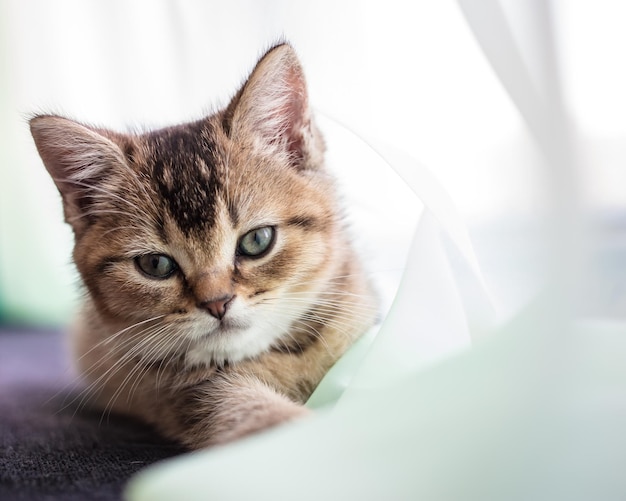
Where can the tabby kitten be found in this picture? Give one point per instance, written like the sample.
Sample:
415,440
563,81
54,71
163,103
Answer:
221,285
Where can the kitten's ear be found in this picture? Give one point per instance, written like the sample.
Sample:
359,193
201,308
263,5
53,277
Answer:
272,107
77,158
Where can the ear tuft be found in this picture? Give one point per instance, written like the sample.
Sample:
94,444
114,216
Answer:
272,107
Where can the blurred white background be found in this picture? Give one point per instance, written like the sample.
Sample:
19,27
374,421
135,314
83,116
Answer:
410,74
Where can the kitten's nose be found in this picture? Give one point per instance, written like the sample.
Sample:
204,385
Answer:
217,307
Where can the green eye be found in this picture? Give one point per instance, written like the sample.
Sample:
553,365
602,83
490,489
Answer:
156,265
256,242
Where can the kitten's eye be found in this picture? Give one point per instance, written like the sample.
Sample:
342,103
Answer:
156,265
256,242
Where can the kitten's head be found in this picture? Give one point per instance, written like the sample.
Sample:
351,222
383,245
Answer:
221,231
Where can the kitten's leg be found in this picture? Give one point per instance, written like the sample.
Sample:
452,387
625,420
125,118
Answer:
224,409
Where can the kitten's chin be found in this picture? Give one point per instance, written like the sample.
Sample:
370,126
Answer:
230,342
229,326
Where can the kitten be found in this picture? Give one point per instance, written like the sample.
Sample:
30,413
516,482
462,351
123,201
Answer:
221,285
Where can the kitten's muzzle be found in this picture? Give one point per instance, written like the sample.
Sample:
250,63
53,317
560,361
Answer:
217,307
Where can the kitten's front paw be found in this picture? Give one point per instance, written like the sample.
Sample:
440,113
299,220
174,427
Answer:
257,417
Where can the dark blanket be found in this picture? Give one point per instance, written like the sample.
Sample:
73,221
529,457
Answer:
50,447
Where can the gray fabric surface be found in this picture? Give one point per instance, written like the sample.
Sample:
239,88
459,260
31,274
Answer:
50,449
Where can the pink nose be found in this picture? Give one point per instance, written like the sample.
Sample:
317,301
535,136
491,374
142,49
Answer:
217,307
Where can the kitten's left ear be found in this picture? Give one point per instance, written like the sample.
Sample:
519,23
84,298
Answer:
272,108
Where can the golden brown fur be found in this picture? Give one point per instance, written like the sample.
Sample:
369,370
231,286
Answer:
217,343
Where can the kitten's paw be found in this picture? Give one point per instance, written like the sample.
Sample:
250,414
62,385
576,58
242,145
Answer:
254,417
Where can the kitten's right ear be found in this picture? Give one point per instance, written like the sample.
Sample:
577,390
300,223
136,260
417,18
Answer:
76,157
